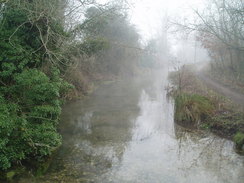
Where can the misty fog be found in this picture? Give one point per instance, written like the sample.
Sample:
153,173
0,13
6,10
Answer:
122,91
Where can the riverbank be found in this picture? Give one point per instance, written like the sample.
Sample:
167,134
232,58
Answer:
199,106
36,169
125,132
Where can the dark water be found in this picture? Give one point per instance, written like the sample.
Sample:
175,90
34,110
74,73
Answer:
125,133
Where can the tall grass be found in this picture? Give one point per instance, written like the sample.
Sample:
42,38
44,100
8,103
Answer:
192,108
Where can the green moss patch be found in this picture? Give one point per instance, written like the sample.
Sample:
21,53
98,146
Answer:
239,141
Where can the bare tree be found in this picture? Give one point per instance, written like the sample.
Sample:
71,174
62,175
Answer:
220,28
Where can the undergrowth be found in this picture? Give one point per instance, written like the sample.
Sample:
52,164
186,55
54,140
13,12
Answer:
196,106
192,108
239,140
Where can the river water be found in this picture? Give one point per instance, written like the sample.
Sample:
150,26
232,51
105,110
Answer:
125,133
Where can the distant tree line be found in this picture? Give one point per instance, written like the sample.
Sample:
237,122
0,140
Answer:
220,29
222,34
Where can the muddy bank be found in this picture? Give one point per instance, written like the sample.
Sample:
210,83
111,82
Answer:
200,104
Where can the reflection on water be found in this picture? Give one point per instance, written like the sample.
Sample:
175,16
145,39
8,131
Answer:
125,132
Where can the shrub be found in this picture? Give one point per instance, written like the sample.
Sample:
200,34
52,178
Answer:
30,103
192,108
239,140
28,119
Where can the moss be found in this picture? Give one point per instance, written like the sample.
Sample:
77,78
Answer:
42,168
205,126
10,175
239,141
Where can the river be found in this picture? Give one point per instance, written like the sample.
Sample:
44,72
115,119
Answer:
125,133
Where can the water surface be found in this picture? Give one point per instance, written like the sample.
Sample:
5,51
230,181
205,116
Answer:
125,133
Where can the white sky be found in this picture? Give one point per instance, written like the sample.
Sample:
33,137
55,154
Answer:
148,15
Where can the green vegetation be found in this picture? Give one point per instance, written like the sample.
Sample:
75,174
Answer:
239,141
45,59
196,106
10,175
30,103
197,111
192,108
29,117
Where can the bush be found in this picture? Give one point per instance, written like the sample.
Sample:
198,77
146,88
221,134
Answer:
192,108
30,103
29,117
239,140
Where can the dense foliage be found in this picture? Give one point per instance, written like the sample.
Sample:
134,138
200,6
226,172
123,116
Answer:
40,49
29,98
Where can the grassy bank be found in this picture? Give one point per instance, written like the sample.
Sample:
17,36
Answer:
198,107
